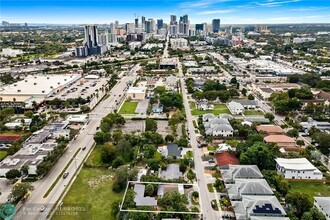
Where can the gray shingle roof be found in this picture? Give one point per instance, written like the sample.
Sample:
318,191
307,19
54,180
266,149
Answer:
245,102
248,187
172,172
324,203
140,199
173,150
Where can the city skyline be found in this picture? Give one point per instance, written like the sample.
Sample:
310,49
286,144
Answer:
104,11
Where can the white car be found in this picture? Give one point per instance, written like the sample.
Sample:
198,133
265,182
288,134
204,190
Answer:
43,208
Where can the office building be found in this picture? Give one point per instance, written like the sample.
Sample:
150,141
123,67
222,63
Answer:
148,26
184,19
143,21
173,20
5,23
199,27
173,30
91,43
229,30
136,22
160,24
116,24
216,25
103,38
130,28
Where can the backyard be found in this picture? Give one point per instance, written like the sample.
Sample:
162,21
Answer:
218,109
253,112
311,188
92,194
128,108
3,154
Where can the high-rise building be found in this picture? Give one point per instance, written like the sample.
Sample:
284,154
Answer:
149,26
116,24
160,24
199,27
112,28
184,19
216,25
103,38
130,28
173,20
143,21
136,22
5,23
91,44
229,30
173,30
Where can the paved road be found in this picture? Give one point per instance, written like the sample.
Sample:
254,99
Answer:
31,209
208,212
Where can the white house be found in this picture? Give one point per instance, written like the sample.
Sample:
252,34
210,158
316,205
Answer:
136,93
235,108
218,127
323,205
297,168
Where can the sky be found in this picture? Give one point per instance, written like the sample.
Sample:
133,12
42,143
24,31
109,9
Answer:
106,11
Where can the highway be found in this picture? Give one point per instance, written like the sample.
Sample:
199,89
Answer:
31,209
208,212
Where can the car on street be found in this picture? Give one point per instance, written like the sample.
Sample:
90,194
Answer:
43,208
213,204
84,148
65,175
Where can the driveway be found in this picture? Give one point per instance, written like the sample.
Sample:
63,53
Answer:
142,106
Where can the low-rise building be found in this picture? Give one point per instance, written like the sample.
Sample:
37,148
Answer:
297,168
168,63
323,205
282,141
218,127
136,93
231,173
270,129
78,119
247,104
310,123
235,108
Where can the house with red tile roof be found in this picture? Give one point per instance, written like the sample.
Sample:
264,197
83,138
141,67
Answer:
270,129
226,158
9,138
282,141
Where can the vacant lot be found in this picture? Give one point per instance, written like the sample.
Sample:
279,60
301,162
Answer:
218,109
91,193
128,108
312,189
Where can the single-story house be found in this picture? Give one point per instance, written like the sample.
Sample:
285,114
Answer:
9,138
172,172
136,93
140,199
247,104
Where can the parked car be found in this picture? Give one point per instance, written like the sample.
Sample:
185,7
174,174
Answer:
84,148
213,204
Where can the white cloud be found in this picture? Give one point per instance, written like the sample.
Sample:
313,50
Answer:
310,9
200,3
211,12
275,3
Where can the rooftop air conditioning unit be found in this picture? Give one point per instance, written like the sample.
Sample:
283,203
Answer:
43,91
35,83
18,90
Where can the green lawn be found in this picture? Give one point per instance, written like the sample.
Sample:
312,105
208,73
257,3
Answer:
92,194
218,109
253,112
312,189
210,187
95,158
192,105
3,154
128,108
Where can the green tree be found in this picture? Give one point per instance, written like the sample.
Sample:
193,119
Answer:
191,175
299,202
150,189
313,214
151,125
270,116
122,175
108,152
28,114
20,190
13,174
293,133
160,90
173,201
244,91
258,154
250,97
169,138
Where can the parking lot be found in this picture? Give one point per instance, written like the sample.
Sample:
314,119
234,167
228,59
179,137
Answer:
81,88
142,107
163,128
136,126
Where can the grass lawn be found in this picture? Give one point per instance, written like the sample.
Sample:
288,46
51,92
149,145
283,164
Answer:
92,191
95,158
192,105
253,112
210,187
218,109
312,189
157,155
212,148
3,154
128,108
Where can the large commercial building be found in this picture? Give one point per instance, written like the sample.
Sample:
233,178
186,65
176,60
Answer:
91,45
216,25
35,88
160,24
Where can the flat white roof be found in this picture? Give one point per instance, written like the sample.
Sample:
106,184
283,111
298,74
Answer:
136,90
38,84
295,164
